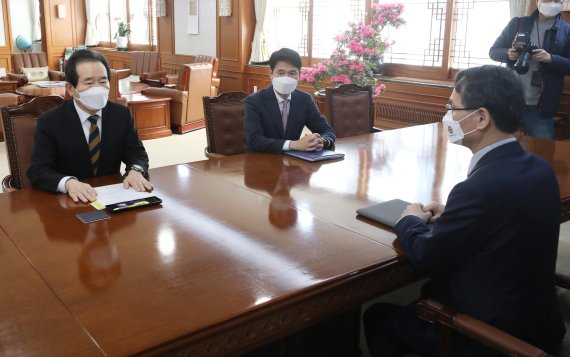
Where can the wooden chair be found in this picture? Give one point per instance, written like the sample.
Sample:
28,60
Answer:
19,132
351,110
224,124
450,320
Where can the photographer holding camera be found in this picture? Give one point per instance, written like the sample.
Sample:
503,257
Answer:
537,47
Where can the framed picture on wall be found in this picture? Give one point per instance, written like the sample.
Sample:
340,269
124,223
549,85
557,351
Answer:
225,7
192,26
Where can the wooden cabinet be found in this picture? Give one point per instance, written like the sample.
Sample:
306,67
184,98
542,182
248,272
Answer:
151,115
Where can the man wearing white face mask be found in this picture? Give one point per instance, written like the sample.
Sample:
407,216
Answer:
275,116
549,64
87,136
477,249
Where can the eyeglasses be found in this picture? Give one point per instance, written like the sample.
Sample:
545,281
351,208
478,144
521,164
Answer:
448,107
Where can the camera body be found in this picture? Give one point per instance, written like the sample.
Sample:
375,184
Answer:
522,44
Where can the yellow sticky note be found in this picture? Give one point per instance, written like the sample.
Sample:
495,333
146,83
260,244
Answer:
97,205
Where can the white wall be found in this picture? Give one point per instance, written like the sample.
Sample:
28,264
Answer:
21,20
205,42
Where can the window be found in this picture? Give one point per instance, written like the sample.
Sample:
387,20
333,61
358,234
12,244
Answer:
440,36
310,26
423,41
139,14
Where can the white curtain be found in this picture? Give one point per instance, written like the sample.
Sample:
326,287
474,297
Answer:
519,8
36,27
91,35
260,44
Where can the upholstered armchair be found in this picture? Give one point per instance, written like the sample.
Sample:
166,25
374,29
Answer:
186,109
146,65
31,60
114,93
172,79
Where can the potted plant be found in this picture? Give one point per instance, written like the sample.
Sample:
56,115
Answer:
122,36
359,52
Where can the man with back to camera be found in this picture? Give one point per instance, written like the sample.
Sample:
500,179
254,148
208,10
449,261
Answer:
491,251
87,136
275,116
544,81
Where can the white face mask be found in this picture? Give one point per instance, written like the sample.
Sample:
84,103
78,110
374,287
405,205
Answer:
94,98
455,133
550,9
284,84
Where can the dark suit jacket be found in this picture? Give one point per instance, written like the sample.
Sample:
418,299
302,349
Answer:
61,150
492,253
264,127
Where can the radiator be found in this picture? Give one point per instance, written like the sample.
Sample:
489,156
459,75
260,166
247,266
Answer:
394,115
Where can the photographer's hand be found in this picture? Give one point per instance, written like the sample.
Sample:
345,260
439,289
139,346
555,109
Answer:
542,56
512,54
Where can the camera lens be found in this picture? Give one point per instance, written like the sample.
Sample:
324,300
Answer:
522,64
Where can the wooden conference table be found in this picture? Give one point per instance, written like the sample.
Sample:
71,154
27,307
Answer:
243,251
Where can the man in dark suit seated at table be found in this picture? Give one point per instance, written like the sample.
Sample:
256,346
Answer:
87,136
275,116
491,251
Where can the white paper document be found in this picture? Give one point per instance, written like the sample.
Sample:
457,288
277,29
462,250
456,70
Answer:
110,194
50,84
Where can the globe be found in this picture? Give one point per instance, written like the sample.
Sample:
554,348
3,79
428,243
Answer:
23,43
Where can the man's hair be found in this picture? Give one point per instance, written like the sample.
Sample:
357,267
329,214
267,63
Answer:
285,55
83,56
496,89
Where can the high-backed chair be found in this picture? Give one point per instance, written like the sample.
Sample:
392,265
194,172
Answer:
145,63
351,109
186,108
171,79
31,60
19,132
224,124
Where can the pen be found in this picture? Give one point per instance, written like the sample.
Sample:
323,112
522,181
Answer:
140,203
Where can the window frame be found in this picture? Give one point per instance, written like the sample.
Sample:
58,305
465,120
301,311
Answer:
132,47
443,72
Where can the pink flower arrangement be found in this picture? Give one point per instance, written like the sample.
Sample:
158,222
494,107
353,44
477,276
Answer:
359,50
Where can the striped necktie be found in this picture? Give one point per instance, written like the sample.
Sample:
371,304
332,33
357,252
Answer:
285,113
94,142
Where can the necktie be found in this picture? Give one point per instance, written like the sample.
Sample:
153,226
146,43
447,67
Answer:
94,142
285,113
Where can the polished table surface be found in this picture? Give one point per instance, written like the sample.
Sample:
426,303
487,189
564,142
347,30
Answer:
200,271
243,250
33,90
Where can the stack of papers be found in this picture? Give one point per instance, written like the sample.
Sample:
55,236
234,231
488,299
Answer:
110,194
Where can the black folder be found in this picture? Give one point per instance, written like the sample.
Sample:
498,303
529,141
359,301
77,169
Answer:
315,155
387,212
